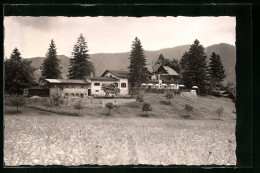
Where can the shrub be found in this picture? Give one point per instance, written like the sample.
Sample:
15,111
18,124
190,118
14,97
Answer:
146,107
79,105
17,100
140,98
188,108
169,96
109,106
219,111
56,100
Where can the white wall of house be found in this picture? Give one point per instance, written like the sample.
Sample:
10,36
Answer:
122,84
97,85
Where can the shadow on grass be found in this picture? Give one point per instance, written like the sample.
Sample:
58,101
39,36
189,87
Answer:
12,112
163,102
66,113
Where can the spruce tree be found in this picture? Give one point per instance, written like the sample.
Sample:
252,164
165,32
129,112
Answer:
80,66
160,60
51,66
19,74
137,68
194,67
216,71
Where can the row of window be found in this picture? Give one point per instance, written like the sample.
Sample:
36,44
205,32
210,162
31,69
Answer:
123,85
74,94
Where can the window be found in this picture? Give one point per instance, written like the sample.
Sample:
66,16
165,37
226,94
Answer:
111,76
96,84
116,84
72,94
81,95
97,91
77,94
123,85
66,94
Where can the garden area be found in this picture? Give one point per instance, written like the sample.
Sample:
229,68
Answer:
155,129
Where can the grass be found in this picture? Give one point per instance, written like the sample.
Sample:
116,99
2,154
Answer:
125,137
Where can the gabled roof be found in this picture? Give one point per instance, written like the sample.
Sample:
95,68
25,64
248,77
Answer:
152,68
170,71
67,81
104,79
118,73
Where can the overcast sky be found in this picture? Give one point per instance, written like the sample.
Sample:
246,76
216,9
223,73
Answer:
32,35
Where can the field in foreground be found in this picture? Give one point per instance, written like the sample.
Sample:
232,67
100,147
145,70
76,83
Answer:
38,138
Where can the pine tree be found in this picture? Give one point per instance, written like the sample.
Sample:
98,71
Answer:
160,60
19,74
194,67
51,66
137,68
80,66
216,71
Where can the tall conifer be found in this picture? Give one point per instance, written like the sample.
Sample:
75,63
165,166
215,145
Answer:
80,66
194,67
137,68
51,66
216,71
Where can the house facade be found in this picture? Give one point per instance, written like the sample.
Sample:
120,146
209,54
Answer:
122,77
68,88
162,77
97,82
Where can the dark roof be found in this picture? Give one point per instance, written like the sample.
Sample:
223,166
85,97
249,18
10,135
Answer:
37,87
67,81
170,71
153,68
118,73
104,79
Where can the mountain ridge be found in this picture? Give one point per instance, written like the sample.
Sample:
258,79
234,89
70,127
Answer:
118,61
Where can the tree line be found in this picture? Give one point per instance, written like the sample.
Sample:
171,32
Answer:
192,67
19,74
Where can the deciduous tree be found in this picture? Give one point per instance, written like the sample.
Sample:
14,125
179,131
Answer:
19,74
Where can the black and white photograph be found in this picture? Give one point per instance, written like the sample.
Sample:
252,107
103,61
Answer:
119,90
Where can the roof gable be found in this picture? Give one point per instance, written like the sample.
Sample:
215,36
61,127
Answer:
118,73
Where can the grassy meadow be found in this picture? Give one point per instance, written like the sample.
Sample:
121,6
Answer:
34,136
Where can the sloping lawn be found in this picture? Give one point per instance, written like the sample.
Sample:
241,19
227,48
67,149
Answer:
35,137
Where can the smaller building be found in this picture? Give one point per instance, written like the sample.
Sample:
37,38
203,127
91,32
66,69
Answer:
162,77
68,88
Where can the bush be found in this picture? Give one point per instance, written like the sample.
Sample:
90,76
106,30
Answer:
79,105
140,98
188,108
169,96
56,100
219,111
146,107
109,106
17,100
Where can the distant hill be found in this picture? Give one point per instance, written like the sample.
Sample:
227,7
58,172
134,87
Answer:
118,61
